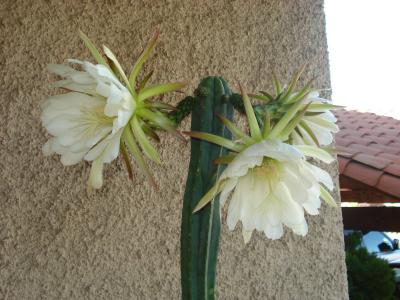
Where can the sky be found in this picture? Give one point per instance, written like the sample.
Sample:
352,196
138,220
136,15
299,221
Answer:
364,53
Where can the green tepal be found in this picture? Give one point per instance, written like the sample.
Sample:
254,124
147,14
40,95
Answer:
200,231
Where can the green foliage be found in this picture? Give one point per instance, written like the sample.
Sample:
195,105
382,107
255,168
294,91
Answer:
369,277
200,231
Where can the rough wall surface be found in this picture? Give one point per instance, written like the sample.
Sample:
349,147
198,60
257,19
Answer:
122,242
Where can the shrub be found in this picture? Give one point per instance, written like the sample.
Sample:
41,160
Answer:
369,277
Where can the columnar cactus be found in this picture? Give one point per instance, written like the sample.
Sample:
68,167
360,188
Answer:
200,231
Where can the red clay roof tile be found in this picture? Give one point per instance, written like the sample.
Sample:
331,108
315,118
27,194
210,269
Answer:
389,184
392,157
393,169
369,149
363,173
395,144
343,141
392,132
346,151
373,161
358,140
386,149
383,140
343,163
365,149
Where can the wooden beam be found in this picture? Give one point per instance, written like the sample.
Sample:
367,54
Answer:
350,183
352,190
366,196
371,218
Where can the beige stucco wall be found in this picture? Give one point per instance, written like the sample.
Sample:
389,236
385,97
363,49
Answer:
123,241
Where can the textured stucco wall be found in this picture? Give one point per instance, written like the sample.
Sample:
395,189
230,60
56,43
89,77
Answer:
123,241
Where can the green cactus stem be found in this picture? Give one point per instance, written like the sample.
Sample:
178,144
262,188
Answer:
200,231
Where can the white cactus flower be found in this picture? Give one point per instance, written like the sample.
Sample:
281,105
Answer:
271,182
87,123
272,185
100,116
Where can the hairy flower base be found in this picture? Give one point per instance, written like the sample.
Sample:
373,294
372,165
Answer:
272,185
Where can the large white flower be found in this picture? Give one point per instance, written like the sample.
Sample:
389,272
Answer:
272,186
88,122
100,115
271,182
318,124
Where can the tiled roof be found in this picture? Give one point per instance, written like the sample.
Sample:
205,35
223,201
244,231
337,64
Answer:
369,149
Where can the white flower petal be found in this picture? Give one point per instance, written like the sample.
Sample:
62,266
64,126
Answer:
114,101
79,146
273,149
97,135
244,188
323,135
73,86
82,78
230,184
75,61
297,185
72,137
48,147
240,165
108,148
58,148
71,158
313,204
291,211
97,150
101,73
269,218
58,126
103,89
234,209
61,70
112,149
321,176
329,116
273,232
301,228
247,236
96,173
323,124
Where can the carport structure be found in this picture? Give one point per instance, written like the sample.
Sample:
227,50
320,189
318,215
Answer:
369,164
